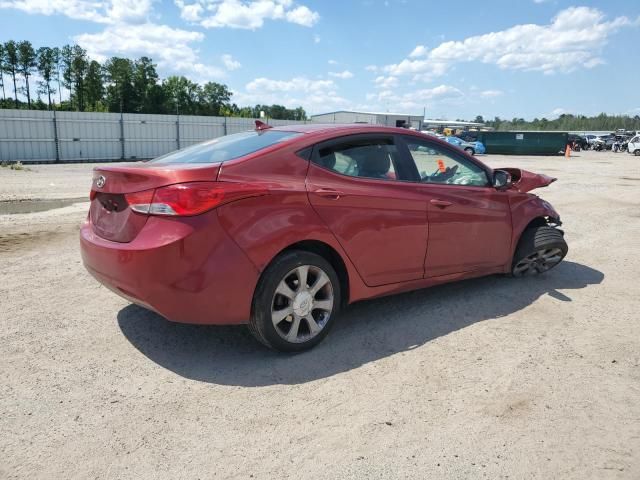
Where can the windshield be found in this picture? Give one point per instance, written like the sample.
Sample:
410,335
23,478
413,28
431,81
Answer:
226,148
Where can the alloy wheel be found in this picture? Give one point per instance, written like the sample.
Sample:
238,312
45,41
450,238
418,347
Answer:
538,262
302,304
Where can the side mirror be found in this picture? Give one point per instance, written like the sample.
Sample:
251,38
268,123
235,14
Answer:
501,179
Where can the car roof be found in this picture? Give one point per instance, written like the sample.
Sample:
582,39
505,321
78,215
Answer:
338,128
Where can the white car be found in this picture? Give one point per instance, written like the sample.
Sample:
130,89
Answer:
634,146
434,134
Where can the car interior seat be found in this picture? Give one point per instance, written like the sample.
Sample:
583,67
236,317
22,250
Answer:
374,162
328,159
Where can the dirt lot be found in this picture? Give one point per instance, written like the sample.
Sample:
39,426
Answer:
489,378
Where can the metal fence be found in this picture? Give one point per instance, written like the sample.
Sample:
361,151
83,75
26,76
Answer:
48,136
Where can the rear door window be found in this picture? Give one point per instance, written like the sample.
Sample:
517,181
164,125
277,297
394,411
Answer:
364,157
227,148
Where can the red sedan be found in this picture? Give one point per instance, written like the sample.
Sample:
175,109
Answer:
280,228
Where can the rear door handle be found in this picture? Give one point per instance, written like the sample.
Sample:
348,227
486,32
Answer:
440,203
328,193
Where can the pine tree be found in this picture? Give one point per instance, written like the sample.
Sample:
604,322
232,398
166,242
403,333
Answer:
11,61
46,68
2,62
26,65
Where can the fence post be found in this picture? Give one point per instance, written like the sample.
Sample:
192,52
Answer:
121,136
178,131
225,125
55,137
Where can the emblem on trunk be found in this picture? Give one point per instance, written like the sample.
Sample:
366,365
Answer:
100,181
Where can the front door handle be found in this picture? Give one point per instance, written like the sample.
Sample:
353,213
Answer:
440,203
328,193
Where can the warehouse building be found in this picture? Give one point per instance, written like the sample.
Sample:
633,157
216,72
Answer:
373,118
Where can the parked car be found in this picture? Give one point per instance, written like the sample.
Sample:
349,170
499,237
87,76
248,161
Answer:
469,147
283,227
634,146
590,139
603,142
468,135
577,142
432,133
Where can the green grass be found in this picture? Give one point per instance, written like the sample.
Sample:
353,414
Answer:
14,166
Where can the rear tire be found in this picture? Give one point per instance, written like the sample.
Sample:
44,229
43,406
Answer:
470,151
296,302
539,250
637,153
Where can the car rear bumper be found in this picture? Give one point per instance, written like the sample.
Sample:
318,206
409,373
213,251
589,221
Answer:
186,269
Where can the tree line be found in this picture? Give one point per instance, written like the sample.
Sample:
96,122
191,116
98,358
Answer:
118,85
566,122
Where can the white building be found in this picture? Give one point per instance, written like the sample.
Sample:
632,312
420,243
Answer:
373,118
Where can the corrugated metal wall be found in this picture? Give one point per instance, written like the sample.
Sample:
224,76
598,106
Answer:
30,135
346,117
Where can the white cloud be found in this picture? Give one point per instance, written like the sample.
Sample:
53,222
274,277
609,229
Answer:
371,68
129,11
491,93
344,75
416,99
230,63
244,14
332,62
316,38
386,82
190,12
303,16
419,51
300,84
129,32
572,40
170,47
313,95
99,11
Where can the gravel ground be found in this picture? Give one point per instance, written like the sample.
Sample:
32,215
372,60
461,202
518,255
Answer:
46,181
488,378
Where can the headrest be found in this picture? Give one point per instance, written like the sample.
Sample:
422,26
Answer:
328,160
375,161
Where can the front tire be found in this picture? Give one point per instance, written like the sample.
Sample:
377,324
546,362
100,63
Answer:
470,151
539,250
296,302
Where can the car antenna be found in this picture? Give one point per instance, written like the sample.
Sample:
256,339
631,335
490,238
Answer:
262,126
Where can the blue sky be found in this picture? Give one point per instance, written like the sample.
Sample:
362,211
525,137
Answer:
524,58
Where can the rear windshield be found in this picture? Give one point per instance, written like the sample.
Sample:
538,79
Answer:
226,148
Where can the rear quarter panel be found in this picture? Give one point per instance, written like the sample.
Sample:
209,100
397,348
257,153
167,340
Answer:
264,226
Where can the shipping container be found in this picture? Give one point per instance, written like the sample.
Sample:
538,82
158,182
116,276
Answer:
524,143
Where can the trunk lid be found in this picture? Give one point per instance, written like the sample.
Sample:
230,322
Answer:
110,214
524,181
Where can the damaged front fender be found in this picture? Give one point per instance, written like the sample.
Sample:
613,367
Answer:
524,181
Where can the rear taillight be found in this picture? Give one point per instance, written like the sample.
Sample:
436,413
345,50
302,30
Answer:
140,201
187,199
